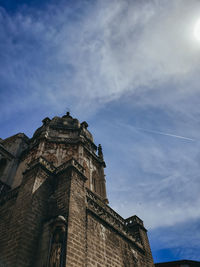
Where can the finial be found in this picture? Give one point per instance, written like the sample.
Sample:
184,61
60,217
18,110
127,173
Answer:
84,124
100,153
46,121
67,115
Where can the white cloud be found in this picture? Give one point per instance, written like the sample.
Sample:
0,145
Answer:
91,56
109,49
158,177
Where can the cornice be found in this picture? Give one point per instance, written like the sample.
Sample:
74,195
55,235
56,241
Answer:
74,164
72,141
43,163
110,217
5,151
52,170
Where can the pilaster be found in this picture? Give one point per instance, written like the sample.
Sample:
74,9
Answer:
136,227
29,213
70,195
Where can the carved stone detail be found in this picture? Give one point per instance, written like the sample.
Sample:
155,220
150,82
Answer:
43,162
71,162
99,208
58,242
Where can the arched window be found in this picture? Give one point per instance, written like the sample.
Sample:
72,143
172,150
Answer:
94,184
3,162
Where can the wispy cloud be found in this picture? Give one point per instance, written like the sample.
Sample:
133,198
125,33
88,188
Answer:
102,59
180,241
159,177
87,56
96,53
166,134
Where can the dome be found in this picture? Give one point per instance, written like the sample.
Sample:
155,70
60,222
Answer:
66,124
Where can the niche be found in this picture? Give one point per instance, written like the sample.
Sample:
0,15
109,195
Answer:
58,243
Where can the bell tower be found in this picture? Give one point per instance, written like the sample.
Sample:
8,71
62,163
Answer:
54,210
64,138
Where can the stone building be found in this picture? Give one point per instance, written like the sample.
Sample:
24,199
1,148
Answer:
53,204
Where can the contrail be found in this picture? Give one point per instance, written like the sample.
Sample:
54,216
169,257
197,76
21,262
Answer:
167,134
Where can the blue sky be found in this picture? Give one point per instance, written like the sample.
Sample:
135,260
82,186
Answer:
131,69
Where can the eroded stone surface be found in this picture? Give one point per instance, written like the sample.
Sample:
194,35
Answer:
53,205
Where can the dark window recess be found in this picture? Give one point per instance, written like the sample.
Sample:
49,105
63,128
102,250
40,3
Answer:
3,188
3,163
94,184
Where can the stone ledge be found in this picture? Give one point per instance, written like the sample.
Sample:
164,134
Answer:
72,163
108,215
134,221
44,162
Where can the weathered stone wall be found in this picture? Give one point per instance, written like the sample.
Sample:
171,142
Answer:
58,153
98,238
27,217
76,234
16,143
41,257
105,247
115,241
6,213
11,149
94,171
6,167
58,212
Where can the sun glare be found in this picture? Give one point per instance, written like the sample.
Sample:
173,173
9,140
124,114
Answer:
197,30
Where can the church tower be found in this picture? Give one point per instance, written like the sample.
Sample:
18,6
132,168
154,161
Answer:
62,139
53,204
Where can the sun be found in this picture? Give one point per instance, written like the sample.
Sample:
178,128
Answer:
197,30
